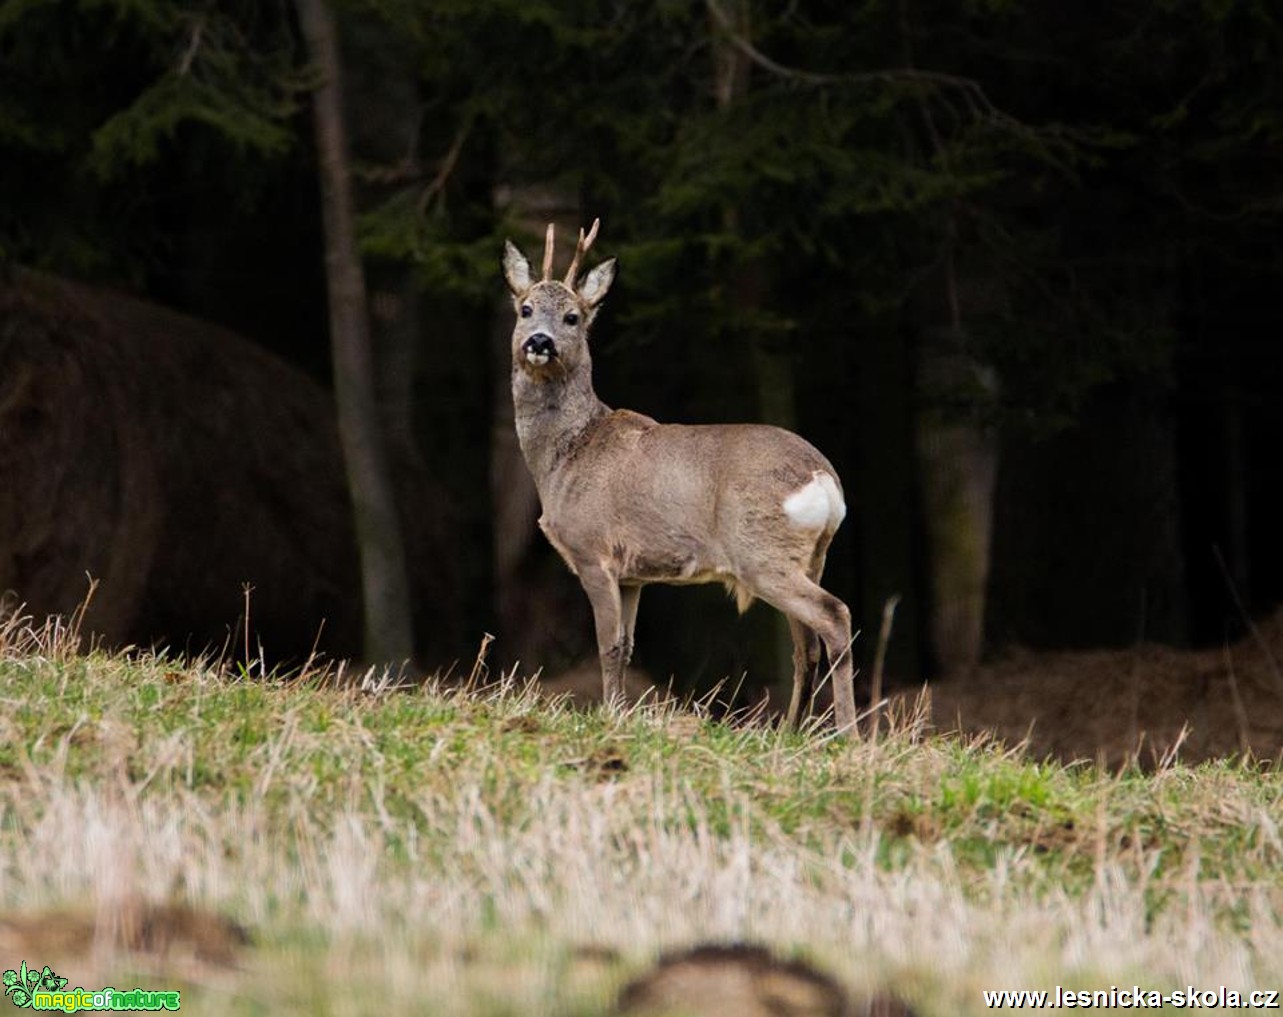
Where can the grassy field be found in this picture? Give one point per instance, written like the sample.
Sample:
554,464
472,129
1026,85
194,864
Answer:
495,853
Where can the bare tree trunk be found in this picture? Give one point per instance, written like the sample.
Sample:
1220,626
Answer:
381,102
957,459
384,582
1234,490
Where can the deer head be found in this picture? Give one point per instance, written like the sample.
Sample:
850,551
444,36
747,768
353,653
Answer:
553,316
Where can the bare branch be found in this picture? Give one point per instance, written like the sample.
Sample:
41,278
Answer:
448,164
974,95
193,47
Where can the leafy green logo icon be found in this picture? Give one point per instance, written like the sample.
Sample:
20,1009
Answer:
20,986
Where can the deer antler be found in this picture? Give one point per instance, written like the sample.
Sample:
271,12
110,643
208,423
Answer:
548,245
581,249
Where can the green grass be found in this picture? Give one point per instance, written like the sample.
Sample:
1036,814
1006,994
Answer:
493,853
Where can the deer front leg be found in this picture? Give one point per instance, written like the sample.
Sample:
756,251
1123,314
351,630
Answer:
604,594
629,598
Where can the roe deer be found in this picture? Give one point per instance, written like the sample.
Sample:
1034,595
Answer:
629,501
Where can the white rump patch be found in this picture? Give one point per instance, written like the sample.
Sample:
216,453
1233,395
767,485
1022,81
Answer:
818,505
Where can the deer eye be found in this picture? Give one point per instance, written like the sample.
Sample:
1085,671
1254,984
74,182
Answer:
571,318
527,310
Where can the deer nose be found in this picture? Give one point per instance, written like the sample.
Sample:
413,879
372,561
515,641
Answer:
539,347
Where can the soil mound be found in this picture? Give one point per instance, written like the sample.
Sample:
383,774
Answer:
1140,704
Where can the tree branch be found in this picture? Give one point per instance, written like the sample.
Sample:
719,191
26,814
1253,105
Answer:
448,164
978,102
193,47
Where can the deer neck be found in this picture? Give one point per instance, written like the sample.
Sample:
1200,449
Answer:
553,415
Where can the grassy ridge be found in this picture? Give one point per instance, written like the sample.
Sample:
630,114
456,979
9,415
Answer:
495,853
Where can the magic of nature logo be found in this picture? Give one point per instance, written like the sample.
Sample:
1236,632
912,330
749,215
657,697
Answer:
45,989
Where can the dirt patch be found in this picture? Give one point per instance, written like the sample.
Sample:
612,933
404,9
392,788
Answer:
742,981
170,934
1141,703
581,684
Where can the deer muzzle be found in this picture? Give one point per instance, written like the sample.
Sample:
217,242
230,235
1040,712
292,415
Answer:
539,349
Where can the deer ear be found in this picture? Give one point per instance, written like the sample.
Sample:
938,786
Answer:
516,269
597,283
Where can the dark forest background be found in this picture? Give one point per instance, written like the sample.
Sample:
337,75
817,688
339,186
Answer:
1013,265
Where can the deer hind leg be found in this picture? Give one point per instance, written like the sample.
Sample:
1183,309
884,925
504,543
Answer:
808,604
806,645
605,596
806,662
